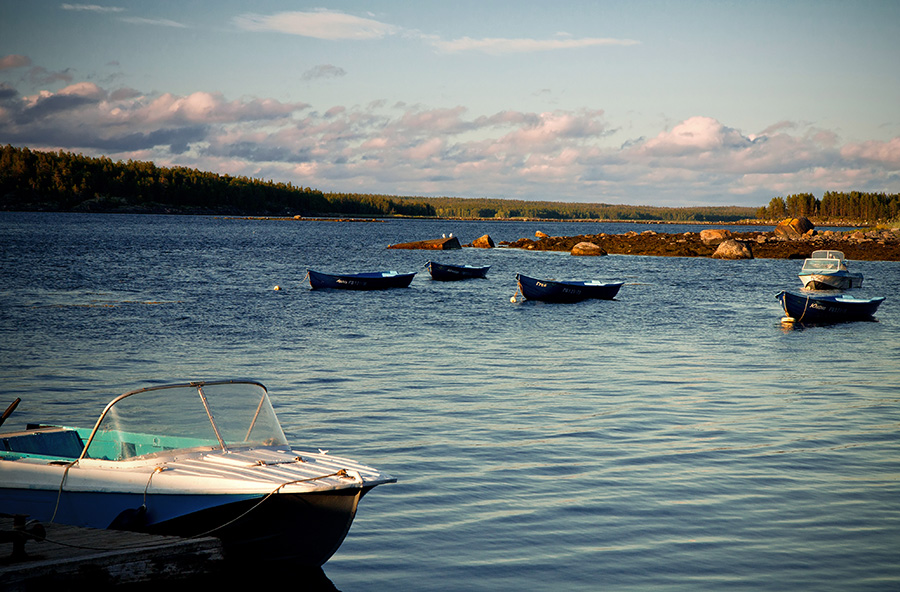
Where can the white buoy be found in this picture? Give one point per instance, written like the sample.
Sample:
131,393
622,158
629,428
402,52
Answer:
276,288
513,299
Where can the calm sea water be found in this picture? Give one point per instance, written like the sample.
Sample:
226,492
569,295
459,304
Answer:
676,438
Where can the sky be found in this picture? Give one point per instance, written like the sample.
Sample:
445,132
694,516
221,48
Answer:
656,102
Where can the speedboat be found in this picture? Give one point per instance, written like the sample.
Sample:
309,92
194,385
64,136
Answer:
372,280
565,290
445,272
827,270
192,459
821,308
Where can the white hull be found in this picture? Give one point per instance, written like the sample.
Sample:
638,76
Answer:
831,282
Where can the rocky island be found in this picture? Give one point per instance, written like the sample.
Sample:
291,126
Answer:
795,238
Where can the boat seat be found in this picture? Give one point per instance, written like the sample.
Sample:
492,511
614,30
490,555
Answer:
46,441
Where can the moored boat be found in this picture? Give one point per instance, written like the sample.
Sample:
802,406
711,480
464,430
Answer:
565,290
827,270
376,280
448,273
200,458
821,308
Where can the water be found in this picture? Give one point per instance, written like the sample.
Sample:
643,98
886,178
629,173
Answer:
676,438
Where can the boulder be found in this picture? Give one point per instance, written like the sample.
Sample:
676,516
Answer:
438,244
711,235
732,249
588,249
540,234
793,227
483,242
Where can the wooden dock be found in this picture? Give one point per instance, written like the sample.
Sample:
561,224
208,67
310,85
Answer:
79,557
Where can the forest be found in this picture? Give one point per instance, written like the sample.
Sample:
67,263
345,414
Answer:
854,206
32,180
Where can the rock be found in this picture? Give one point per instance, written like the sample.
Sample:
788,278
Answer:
483,242
793,227
540,234
589,249
732,249
440,244
711,235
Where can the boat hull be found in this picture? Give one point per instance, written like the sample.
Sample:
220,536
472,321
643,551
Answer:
360,281
820,281
302,528
565,291
451,273
809,308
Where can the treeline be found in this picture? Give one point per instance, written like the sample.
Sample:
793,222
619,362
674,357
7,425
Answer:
33,180
456,207
834,205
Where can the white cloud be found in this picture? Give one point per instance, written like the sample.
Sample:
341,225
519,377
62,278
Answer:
319,25
134,20
91,8
416,150
14,61
323,71
497,46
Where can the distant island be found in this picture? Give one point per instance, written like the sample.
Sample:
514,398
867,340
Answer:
31,180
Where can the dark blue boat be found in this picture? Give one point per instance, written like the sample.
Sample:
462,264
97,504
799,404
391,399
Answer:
377,280
565,290
815,308
451,273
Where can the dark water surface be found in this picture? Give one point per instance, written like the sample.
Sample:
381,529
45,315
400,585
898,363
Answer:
676,438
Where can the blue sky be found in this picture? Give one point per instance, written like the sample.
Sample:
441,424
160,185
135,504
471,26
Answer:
645,102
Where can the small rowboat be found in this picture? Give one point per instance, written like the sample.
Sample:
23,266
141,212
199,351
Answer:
449,273
811,308
377,280
565,290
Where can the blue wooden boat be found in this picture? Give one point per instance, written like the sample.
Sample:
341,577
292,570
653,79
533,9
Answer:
376,280
814,308
449,273
565,290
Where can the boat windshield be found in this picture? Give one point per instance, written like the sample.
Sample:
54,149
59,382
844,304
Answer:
821,265
215,415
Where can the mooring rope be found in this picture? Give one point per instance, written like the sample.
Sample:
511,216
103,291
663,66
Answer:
338,473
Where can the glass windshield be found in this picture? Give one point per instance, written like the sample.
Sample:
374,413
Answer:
821,265
215,415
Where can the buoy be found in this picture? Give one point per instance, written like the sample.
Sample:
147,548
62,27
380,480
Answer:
276,288
513,299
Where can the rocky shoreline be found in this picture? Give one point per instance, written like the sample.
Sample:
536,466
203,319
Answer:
861,245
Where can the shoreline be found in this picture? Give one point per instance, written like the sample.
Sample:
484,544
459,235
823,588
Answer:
860,245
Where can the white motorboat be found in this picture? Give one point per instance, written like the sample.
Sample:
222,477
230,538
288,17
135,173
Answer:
193,459
827,270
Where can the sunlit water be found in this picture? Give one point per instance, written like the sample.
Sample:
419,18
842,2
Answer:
676,438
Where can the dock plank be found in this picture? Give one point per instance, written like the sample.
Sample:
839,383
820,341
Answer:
87,556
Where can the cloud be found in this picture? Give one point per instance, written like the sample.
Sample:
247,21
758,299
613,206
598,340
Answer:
323,71
134,20
886,154
40,76
90,8
498,46
14,61
319,25
399,148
